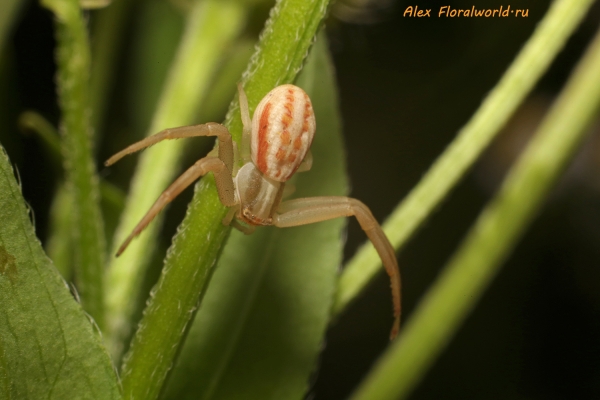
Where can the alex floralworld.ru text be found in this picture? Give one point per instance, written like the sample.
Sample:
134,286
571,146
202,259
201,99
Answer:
447,11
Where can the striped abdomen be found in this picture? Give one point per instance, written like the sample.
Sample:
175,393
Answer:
283,128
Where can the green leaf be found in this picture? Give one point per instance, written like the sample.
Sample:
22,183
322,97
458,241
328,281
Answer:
262,321
48,346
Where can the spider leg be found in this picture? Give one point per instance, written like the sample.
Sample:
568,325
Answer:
203,166
315,209
246,122
209,129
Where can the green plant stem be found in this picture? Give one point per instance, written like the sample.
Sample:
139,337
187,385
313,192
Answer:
59,245
561,20
73,57
211,26
492,238
284,45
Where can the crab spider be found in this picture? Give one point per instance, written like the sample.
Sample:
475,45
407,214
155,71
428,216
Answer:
275,145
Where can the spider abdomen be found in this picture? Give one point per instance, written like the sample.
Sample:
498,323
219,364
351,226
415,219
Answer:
283,128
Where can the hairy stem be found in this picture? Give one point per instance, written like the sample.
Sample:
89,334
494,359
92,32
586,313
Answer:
73,58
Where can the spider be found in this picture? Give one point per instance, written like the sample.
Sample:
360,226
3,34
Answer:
275,145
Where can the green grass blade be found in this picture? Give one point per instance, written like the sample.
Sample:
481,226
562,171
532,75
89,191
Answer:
73,59
275,287
211,26
48,347
561,20
280,54
493,236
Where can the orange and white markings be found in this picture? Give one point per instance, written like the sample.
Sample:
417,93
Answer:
283,128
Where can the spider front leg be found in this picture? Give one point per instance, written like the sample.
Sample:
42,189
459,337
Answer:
220,166
209,129
315,209
225,189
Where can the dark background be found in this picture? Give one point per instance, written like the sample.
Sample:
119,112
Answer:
407,85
